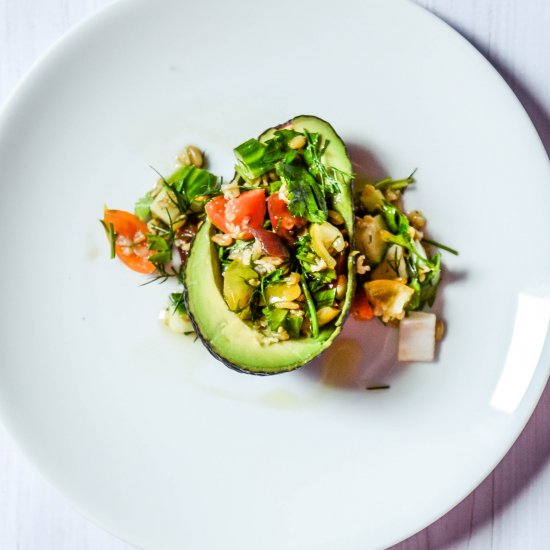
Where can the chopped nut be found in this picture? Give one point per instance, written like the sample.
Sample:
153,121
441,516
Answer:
139,237
297,142
282,334
319,265
392,194
179,224
273,260
297,312
192,155
417,220
335,217
231,189
286,305
153,224
158,188
293,278
222,239
360,267
439,330
341,286
283,193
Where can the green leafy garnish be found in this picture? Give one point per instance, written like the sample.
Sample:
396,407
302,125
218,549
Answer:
390,183
163,251
293,325
190,182
111,235
327,176
256,158
324,298
439,245
142,208
178,303
312,314
306,197
275,317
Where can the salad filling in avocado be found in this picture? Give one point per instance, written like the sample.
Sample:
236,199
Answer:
277,240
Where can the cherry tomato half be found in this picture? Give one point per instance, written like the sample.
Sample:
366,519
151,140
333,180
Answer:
235,215
282,220
131,240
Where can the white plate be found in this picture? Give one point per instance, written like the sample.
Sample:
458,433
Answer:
142,429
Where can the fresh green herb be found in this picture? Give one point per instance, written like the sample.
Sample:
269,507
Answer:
142,208
306,259
439,245
274,186
430,283
187,183
325,297
306,197
318,279
278,150
329,177
390,183
304,252
250,156
425,285
275,317
293,325
256,158
310,308
178,303
111,235
162,248
190,182
396,221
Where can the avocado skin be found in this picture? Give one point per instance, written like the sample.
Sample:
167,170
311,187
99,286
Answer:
229,349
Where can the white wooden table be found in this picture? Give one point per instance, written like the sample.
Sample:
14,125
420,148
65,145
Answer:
511,508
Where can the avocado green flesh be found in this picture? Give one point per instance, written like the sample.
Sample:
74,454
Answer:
225,335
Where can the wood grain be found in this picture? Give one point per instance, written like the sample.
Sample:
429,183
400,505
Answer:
510,509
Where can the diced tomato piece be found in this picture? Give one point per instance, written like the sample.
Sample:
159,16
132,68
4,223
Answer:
216,212
282,220
235,215
131,240
361,308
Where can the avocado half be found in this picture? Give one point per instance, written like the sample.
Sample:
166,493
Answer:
225,335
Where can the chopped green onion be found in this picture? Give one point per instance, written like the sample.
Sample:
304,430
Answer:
111,235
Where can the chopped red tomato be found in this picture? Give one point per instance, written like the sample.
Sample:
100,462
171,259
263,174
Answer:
131,240
216,212
361,308
235,215
282,220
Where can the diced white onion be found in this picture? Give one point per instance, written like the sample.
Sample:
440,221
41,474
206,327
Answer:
417,337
